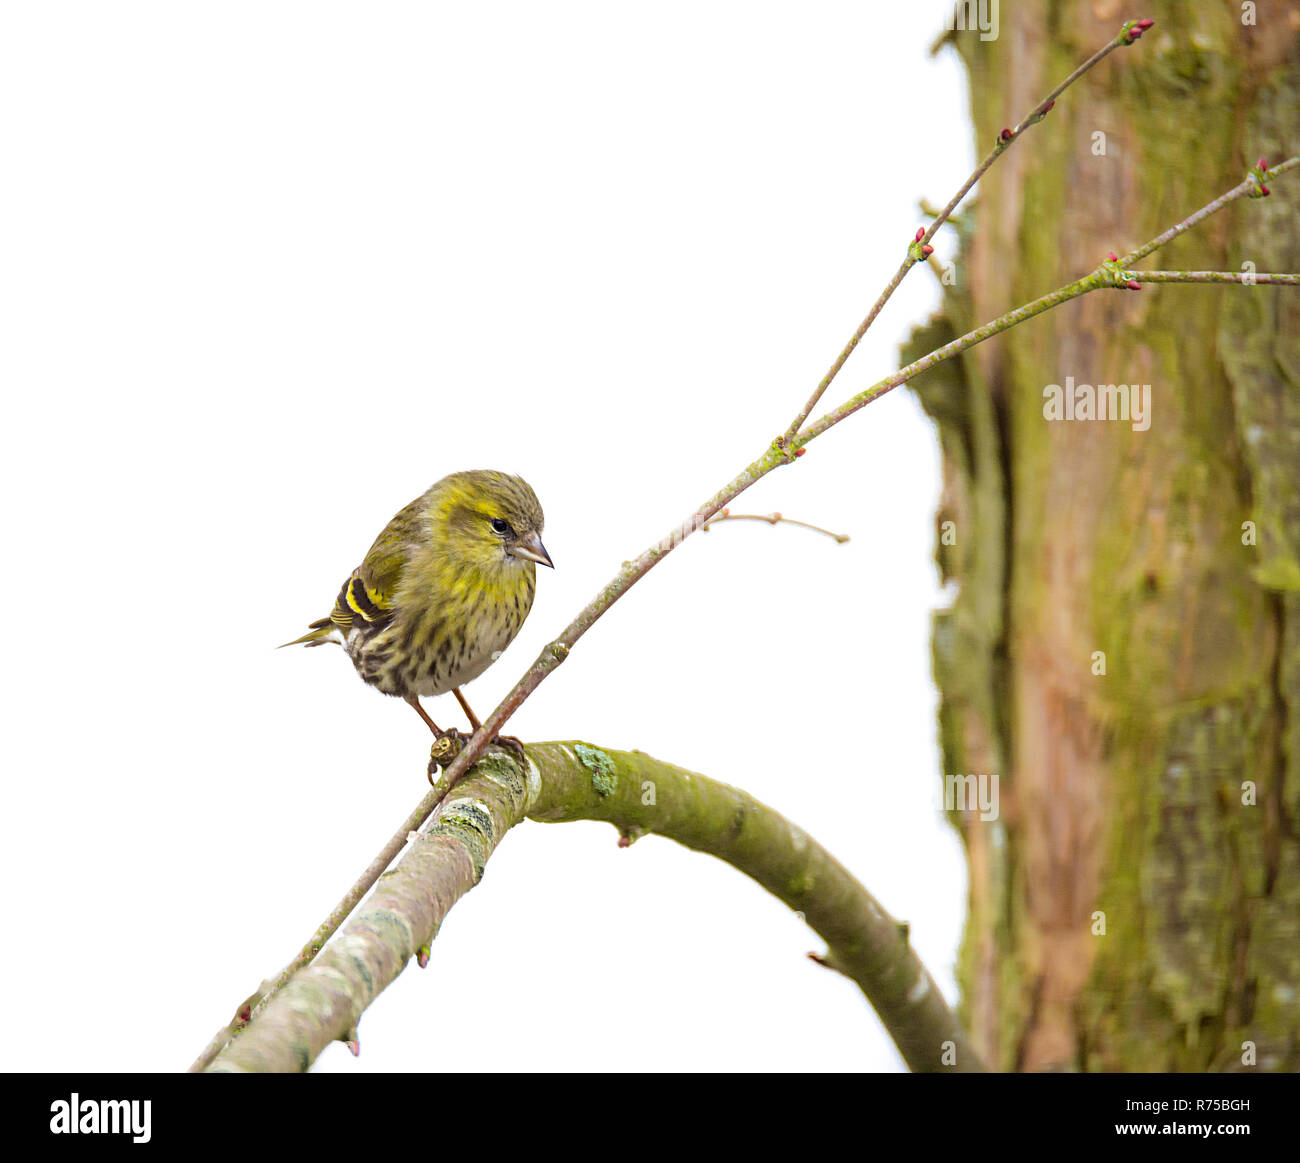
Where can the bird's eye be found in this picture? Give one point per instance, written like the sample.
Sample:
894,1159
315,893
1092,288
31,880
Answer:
500,526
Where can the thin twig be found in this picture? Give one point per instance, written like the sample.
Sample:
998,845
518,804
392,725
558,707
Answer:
1245,278
1253,185
920,248
771,519
1109,275
326,929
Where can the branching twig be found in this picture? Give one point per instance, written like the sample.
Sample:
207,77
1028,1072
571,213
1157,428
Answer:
572,781
771,519
1111,274
1253,185
920,247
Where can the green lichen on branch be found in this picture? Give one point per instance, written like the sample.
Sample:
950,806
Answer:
325,1001
604,774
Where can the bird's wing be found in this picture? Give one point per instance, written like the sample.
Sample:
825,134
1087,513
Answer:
367,596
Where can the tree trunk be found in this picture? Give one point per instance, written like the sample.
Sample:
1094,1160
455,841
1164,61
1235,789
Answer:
1124,649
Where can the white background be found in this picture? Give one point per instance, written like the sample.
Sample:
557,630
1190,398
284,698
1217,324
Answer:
269,270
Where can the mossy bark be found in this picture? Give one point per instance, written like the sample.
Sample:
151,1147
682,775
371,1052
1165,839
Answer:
1171,555
325,1000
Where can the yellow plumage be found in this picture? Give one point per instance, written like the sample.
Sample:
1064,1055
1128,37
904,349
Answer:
443,590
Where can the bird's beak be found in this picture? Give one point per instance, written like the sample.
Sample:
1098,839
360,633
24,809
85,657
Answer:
531,549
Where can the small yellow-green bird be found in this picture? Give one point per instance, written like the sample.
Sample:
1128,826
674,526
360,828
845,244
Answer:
443,590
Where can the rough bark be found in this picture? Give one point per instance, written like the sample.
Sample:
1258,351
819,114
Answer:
1122,793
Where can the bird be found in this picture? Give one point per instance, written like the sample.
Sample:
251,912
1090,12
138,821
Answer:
442,591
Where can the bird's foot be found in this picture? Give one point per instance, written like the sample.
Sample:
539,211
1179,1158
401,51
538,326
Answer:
450,743
446,746
514,746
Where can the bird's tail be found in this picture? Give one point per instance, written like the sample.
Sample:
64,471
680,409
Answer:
322,630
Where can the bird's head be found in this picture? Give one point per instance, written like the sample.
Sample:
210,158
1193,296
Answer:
491,521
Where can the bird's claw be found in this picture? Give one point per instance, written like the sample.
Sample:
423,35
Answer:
445,748
450,743
514,746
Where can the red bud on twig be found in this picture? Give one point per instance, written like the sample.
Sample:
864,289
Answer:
920,233
1133,31
1005,135
1134,285
800,451
1263,164
927,250
1112,257
1263,190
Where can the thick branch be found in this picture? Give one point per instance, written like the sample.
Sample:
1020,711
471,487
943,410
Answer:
639,795
863,941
